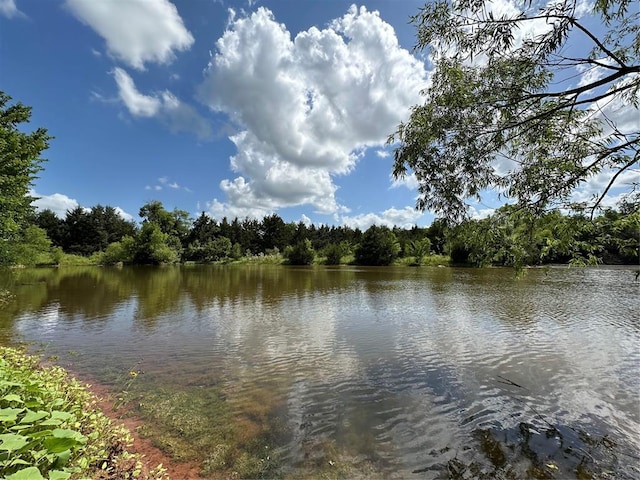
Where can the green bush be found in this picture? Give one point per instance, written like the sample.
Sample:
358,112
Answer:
301,253
50,427
379,246
32,248
119,252
419,249
334,253
154,247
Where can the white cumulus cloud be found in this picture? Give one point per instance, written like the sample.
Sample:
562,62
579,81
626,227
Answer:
409,181
136,31
139,105
178,116
307,107
58,203
401,217
9,9
127,216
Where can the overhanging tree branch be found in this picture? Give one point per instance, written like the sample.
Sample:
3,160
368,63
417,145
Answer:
504,104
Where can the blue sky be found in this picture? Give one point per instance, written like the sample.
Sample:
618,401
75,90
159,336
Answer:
232,108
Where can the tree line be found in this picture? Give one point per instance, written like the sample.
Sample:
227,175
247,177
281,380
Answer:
515,235
510,237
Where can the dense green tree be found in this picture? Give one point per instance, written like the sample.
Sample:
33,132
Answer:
419,249
123,251
111,225
225,227
213,250
175,224
236,251
437,233
204,228
153,246
495,96
54,226
619,235
379,246
301,253
321,237
85,231
335,251
301,232
515,237
249,238
275,233
33,247
82,235
20,161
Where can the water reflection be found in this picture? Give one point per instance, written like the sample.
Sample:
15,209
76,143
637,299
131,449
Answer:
390,370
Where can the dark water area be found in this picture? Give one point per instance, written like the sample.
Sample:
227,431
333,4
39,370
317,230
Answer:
363,372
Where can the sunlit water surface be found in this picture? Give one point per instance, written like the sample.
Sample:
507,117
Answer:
405,372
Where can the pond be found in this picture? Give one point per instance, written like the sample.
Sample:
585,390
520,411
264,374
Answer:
350,372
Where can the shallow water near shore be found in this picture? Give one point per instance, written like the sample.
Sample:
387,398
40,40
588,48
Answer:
392,372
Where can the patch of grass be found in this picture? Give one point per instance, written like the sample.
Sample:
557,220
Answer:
260,259
51,428
71,259
426,261
436,260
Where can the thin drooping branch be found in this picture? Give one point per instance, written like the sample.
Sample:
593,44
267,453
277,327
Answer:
621,72
597,42
572,20
612,181
564,105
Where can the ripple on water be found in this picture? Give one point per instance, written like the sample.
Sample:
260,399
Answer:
405,370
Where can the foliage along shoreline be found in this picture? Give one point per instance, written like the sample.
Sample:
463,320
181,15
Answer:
510,237
51,427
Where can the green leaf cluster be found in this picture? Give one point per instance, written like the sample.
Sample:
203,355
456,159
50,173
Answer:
379,246
515,237
302,253
50,427
501,111
19,163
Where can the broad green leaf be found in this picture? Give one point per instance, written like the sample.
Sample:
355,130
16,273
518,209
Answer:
32,416
12,441
51,422
58,475
66,433
59,445
31,473
41,433
12,397
61,415
63,458
10,415
6,383
17,428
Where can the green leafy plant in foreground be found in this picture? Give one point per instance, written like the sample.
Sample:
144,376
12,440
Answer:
50,427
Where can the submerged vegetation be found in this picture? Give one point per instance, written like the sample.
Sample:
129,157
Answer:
229,414
51,427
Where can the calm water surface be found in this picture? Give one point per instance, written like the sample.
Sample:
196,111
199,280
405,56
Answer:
395,372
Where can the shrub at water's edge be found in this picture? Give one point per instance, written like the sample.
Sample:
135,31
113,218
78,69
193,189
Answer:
50,427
